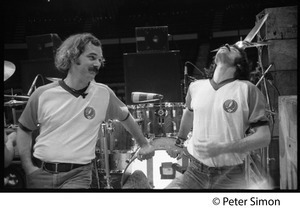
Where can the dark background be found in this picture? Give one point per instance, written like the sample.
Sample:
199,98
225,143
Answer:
115,20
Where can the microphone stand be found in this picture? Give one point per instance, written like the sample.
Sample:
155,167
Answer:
185,79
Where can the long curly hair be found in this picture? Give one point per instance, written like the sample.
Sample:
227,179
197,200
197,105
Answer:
72,48
242,65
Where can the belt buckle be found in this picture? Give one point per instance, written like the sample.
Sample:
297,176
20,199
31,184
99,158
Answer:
209,168
213,170
56,168
55,171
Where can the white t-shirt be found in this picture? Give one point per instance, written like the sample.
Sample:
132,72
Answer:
69,123
222,113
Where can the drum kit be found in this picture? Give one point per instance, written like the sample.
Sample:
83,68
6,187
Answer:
15,100
116,147
14,176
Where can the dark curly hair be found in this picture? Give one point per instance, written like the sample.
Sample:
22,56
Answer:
241,63
72,48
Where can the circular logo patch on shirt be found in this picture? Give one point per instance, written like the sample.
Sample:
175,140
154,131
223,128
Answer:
230,106
89,113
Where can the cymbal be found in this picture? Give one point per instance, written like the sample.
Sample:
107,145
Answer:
9,69
17,96
257,44
53,79
248,45
256,28
13,103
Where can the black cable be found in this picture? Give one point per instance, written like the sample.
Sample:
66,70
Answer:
188,62
271,83
129,163
42,79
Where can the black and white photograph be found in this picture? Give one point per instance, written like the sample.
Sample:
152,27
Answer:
148,96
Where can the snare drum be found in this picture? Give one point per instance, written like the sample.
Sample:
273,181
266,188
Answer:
139,114
120,145
117,137
117,161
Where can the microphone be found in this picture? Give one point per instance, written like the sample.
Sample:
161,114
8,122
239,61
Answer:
185,82
32,85
138,97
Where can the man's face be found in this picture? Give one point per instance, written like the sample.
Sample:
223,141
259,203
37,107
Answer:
89,62
227,55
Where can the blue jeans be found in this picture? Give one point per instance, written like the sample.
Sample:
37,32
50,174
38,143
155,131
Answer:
196,178
78,178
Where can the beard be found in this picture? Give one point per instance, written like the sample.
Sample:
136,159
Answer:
222,57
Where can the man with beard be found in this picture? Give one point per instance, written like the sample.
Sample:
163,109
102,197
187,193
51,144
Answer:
68,114
220,111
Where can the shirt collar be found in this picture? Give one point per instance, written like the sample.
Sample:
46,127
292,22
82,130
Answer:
72,91
217,86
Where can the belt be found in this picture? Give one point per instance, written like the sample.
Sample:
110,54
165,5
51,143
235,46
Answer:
55,167
220,170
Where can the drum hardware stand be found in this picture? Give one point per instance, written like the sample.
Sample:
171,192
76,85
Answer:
264,151
110,128
173,122
161,114
106,158
13,110
263,75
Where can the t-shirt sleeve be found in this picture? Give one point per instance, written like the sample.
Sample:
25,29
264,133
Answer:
116,108
28,119
257,107
188,99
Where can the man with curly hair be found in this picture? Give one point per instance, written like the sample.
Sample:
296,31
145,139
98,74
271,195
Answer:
69,114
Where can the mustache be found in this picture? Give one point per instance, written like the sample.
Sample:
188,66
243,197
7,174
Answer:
94,68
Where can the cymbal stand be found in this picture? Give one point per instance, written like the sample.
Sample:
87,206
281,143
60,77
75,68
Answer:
264,74
265,151
13,110
106,158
